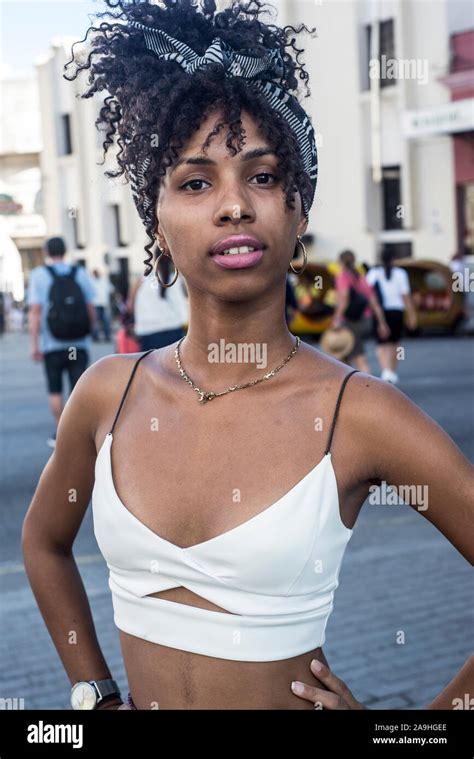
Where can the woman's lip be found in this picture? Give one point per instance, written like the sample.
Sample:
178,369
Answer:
237,241
238,260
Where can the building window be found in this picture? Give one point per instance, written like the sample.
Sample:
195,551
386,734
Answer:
118,242
75,240
391,198
385,54
400,249
72,229
367,41
387,49
65,136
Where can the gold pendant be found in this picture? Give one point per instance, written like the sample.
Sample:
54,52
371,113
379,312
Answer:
204,397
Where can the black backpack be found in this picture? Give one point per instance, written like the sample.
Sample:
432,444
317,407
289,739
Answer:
357,305
67,315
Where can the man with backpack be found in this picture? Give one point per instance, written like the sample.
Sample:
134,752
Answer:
60,297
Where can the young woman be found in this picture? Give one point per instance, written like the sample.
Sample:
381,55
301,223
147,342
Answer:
350,279
395,297
227,470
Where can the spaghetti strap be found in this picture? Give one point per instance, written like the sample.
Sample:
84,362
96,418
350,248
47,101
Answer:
128,385
337,409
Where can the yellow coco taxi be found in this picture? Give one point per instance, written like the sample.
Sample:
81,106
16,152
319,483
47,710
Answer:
438,304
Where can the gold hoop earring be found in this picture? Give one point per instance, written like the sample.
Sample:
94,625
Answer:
157,275
299,241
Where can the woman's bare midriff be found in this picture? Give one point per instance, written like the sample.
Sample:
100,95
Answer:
161,677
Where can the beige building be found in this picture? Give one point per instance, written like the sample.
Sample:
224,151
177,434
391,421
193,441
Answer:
94,214
375,65
22,225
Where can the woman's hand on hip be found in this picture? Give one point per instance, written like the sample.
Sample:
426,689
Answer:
338,695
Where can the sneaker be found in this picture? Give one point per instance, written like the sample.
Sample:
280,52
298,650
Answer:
51,441
389,376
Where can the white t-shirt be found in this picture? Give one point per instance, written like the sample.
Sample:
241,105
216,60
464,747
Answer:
103,289
392,289
152,313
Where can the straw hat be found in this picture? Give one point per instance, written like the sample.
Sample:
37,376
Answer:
337,342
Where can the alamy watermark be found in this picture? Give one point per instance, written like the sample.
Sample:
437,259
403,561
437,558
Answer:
237,353
42,732
399,68
11,703
463,281
392,495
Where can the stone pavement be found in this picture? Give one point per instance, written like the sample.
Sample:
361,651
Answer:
399,572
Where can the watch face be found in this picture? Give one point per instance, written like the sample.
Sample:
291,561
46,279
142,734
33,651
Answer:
83,696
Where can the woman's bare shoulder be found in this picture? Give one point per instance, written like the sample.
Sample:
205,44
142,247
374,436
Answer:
330,369
366,399
323,368
107,372
100,388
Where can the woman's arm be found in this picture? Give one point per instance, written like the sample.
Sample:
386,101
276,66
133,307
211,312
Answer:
459,693
382,326
34,321
335,695
403,446
411,311
342,301
51,525
341,285
407,449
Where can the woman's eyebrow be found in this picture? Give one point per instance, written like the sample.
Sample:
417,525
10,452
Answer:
203,161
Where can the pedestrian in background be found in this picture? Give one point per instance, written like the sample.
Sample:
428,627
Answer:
104,290
60,297
355,302
159,310
456,262
393,292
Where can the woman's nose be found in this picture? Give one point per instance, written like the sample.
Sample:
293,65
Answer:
233,205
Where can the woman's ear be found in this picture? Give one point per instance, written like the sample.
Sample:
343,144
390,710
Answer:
302,226
161,241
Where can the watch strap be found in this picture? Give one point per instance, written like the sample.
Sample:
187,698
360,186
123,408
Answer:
104,688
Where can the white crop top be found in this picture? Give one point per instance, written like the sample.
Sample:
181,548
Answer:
275,573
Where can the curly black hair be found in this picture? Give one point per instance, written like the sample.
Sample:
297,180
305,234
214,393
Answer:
153,106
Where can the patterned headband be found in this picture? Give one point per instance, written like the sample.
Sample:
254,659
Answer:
270,67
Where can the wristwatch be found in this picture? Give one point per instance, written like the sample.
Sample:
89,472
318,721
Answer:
87,694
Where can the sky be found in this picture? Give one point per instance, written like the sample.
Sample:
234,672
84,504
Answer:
28,26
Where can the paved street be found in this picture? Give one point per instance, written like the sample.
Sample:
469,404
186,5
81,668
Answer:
399,573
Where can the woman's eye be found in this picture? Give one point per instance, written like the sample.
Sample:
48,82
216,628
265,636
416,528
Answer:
197,181
266,174
193,181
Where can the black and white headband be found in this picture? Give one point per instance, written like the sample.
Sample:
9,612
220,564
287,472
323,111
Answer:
270,67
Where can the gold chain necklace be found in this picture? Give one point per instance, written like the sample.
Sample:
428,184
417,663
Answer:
208,396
